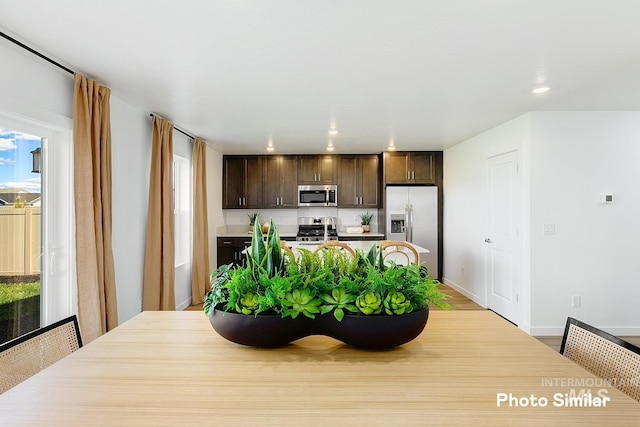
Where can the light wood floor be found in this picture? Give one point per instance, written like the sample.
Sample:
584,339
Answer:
460,302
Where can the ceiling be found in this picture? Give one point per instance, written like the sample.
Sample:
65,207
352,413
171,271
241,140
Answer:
426,74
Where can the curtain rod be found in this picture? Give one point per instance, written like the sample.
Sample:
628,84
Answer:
35,52
68,70
176,128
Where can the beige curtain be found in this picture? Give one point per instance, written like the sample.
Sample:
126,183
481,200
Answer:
200,264
159,267
97,304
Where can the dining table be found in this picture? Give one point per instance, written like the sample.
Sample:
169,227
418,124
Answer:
170,368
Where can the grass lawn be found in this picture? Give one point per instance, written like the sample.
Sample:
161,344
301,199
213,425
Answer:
16,291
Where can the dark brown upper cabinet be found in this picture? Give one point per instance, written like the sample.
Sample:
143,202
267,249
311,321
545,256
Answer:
404,167
359,181
280,182
242,182
318,169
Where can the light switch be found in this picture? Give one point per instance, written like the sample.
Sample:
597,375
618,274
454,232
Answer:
549,229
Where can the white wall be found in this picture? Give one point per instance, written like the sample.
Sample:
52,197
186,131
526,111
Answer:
131,159
575,157
33,88
567,160
464,200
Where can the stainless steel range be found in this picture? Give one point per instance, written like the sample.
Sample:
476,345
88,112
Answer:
316,229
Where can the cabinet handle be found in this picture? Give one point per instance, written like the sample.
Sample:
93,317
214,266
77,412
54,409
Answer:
408,175
360,199
413,174
226,243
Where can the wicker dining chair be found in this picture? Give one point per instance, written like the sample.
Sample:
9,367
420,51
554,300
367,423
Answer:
604,355
30,353
398,251
336,244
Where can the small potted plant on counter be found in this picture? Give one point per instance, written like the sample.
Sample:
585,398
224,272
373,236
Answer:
253,217
365,221
278,297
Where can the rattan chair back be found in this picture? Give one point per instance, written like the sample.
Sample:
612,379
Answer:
398,252
336,244
604,355
28,354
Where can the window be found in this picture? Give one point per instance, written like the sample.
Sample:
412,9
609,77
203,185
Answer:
182,209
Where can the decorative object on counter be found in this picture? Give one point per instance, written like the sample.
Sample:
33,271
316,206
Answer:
365,221
355,230
278,298
264,228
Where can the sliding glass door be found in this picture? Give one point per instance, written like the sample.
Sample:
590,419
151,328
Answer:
36,262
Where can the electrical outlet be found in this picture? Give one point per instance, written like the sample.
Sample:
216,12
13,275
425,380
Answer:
576,301
549,229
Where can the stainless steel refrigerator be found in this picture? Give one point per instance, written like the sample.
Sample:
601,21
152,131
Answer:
412,215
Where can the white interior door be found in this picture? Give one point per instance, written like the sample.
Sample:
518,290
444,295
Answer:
502,257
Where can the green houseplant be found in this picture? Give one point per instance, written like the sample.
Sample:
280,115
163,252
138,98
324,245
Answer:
365,221
253,217
318,293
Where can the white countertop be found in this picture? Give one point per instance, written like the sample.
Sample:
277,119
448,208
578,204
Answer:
288,232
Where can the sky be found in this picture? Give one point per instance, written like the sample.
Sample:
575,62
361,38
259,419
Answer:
16,161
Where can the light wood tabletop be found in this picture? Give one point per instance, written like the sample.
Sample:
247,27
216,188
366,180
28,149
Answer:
172,369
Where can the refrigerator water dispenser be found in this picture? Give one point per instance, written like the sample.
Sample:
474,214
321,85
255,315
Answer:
397,223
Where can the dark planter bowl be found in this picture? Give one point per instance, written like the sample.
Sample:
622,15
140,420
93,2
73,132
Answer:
372,332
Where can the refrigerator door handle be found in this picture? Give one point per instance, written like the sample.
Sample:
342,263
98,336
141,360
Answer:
409,214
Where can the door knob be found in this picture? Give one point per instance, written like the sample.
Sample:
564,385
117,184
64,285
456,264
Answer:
488,240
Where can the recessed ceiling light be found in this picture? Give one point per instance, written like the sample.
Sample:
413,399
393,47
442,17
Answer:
333,131
330,146
270,146
540,89
392,145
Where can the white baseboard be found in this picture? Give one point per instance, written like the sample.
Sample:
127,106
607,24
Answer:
458,288
183,305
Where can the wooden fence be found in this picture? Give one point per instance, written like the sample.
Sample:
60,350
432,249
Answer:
20,241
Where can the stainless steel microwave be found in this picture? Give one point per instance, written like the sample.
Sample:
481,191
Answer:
317,195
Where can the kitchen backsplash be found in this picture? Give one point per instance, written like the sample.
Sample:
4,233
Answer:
288,218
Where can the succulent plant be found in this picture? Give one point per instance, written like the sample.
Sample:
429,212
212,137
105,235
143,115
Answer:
396,303
369,303
301,301
338,301
248,304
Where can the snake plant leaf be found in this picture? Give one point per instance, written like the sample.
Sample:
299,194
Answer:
274,257
371,255
258,249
